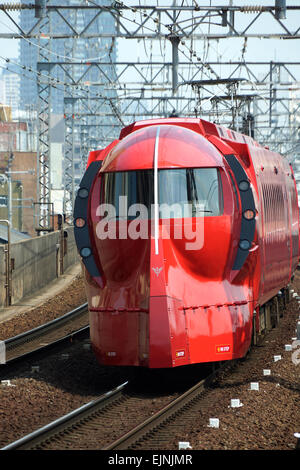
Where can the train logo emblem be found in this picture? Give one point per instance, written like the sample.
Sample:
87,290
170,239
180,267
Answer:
157,271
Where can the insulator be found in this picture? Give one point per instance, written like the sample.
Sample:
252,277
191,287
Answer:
14,6
252,8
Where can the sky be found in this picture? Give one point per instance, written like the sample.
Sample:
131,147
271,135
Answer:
8,47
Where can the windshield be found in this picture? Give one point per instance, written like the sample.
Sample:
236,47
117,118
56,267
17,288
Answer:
184,192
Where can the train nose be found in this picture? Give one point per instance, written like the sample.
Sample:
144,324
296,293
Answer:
167,333
136,321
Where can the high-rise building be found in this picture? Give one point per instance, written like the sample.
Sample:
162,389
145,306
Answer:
10,90
94,80
66,50
294,119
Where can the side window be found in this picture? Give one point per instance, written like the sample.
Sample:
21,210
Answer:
208,190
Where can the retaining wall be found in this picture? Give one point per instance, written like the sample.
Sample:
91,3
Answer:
36,263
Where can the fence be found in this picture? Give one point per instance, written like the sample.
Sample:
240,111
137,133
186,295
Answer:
34,263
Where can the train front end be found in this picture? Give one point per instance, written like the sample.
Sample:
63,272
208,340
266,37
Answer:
157,227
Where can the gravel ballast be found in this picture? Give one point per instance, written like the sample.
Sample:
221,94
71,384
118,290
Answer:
65,301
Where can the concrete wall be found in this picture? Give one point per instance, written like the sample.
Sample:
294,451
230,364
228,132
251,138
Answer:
36,263
2,276
71,257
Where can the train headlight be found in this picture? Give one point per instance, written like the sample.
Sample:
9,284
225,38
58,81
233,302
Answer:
244,185
85,252
83,193
249,214
244,244
79,222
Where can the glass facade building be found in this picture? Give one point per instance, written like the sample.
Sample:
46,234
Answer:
81,67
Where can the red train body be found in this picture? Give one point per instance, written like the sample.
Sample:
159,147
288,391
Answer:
185,283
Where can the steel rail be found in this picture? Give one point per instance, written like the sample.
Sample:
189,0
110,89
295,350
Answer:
82,332
66,421
164,415
45,327
31,335
82,414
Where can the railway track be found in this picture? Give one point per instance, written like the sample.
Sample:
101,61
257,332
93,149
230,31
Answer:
155,432
71,426
101,424
48,335
110,422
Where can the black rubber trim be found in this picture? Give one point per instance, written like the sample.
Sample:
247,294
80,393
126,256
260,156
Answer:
82,236
247,200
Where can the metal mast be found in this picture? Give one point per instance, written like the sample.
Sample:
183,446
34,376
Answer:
44,222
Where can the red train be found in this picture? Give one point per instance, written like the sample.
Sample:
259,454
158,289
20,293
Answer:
186,230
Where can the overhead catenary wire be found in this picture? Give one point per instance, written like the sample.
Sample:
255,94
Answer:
74,59
134,10
200,64
55,82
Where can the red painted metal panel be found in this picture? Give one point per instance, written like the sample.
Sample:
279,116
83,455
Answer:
100,154
178,147
120,337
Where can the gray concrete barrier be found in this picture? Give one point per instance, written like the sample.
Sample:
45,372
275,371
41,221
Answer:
3,292
35,263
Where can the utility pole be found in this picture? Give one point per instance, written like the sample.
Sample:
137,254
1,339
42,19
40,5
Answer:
9,189
44,109
8,264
